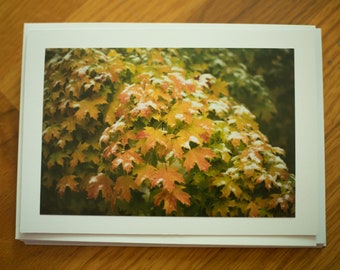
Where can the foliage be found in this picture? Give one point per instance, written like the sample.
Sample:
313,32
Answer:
151,132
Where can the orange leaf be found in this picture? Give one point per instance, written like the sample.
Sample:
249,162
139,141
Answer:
98,183
127,159
236,138
170,199
129,91
143,173
198,156
204,127
67,181
167,176
176,146
151,136
144,108
254,209
123,186
111,149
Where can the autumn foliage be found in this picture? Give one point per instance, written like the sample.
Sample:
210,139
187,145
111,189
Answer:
143,132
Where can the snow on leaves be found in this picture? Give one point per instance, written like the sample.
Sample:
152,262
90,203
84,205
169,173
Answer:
100,184
154,128
88,107
127,159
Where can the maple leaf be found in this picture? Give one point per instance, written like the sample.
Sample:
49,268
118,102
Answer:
123,186
268,180
231,187
219,88
51,132
279,169
63,139
249,168
57,158
81,71
223,151
170,199
68,181
176,145
198,132
187,135
254,209
119,125
127,136
204,127
69,124
278,150
178,84
100,183
159,95
221,207
143,109
205,80
221,107
110,117
182,112
58,78
78,156
134,90
144,172
251,154
91,84
74,88
167,176
63,104
242,122
88,106
236,138
127,159
111,149
279,199
151,136
93,156
198,156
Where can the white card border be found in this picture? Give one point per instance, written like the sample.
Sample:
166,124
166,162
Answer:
40,36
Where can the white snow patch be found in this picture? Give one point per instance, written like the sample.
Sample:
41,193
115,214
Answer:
194,139
251,166
179,116
119,161
280,166
218,106
240,110
196,104
234,135
93,179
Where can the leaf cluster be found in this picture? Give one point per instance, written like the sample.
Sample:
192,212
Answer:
150,133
